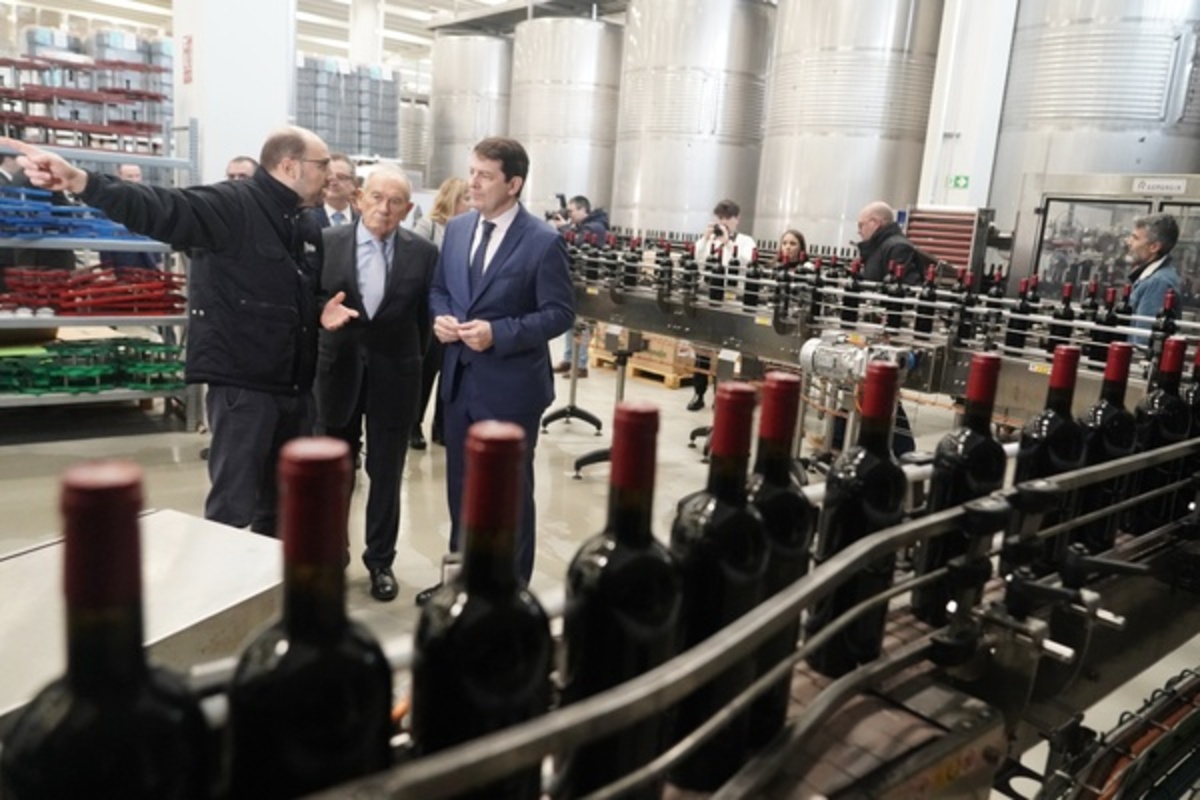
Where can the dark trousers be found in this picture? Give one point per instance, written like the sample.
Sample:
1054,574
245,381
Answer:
700,379
248,429
458,418
387,450
430,369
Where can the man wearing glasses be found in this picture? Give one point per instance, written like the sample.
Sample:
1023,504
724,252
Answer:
252,301
338,207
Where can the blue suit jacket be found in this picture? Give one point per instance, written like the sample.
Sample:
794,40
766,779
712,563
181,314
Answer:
526,294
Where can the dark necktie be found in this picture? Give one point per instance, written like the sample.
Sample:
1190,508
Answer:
480,255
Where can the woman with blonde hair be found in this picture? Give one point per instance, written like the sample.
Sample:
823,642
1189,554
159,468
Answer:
451,201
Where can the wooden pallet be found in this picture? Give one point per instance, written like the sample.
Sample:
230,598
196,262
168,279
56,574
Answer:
648,371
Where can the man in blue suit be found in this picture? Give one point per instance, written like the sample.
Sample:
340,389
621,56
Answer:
501,291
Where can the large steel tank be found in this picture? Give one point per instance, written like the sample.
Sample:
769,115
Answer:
416,136
566,74
689,130
468,99
850,91
1098,86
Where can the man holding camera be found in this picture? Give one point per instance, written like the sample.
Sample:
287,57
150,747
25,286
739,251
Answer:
580,219
722,240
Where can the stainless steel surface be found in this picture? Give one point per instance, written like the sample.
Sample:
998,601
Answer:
79,398
10,322
416,136
689,131
64,243
851,83
566,76
1077,100
206,588
469,101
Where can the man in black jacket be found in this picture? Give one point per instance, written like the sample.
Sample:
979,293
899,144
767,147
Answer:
253,304
884,243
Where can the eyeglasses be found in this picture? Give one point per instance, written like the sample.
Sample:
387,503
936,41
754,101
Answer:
323,163
342,176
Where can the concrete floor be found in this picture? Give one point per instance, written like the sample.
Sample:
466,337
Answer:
37,444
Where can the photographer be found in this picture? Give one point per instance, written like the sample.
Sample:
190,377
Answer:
719,237
581,220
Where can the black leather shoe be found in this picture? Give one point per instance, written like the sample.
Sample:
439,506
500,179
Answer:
424,595
383,584
417,440
561,367
697,403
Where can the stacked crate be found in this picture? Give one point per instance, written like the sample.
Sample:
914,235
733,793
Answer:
354,109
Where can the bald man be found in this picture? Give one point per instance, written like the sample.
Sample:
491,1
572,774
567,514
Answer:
883,242
252,301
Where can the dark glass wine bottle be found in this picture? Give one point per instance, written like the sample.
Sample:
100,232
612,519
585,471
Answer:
310,703
1105,319
926,303
1108,434
1060,333
1052,442
788,521
112,726
814,302
864,493
965,330
968,463
1160,419
894,289
718,540
753,286
1018,321
1124,311
481,659
624,596
850,296
1089,306
1163,327
716,274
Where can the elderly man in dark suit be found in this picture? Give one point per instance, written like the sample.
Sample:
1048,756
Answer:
501,293
369,359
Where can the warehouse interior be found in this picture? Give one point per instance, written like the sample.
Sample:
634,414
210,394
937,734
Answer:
1015,140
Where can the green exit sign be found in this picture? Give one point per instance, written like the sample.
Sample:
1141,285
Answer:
960,181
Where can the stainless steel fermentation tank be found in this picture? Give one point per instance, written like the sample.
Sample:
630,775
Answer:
566,76
847,113
469,99
1098,86
689,131
416,134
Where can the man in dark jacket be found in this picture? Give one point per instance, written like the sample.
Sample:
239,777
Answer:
583,220
252,301
883,243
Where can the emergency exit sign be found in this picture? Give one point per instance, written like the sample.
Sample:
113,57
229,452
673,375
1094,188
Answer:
960,181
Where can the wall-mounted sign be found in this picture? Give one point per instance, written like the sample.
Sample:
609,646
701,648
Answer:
1156,185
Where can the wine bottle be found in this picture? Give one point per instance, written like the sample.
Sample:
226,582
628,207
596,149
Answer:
112,725
1108,434
1089,306
966,309
716,274
1060,334
864,493
481,659
1160,419
1018,322
968,463
1125,311
926,303
1191,465
850,296
814,303
894,289
624,596
787,520
1163,327
1052,442
753,285
718,540
1105,319
310,703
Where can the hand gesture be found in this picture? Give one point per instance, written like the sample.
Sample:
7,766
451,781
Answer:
47,170
335,315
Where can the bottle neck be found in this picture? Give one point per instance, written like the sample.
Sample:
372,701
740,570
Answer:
629,515
314,600
1059,399
104,649
488,556
875,435
977,415
1113,391
727,477
1167,382
774,461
